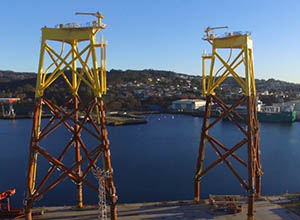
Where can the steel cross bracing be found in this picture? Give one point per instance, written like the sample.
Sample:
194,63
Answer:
246,121
81,114
101,176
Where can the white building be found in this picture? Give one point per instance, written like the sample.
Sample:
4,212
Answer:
188,104
296,103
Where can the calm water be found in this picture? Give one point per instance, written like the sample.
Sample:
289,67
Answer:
156,161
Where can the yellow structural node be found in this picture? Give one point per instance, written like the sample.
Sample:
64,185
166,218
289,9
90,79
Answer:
236,41
73,34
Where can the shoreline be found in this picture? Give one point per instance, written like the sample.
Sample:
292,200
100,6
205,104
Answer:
187,209
118,118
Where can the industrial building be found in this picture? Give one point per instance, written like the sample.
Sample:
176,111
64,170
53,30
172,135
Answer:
188,104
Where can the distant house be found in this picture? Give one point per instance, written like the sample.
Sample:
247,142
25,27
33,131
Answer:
296,104
139,91
187,104
266,92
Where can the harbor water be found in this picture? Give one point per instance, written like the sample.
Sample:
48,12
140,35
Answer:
156,161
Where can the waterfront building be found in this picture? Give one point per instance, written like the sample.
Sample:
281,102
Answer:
296,104
187,104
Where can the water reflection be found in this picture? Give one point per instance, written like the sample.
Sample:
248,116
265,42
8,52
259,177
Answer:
156,161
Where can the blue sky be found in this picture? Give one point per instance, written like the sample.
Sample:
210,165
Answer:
159,34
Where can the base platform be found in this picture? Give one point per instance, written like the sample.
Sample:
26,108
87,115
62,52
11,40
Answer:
265,209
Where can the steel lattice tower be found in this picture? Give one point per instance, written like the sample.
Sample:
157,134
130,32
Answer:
62,69
246,123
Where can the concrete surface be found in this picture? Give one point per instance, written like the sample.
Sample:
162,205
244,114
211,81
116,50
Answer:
264,210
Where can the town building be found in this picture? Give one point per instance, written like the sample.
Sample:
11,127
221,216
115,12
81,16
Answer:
187,104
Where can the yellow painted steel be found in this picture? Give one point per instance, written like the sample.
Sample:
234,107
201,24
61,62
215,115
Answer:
235,41
87,75
72,36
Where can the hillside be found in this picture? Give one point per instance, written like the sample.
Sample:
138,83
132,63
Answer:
143,89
